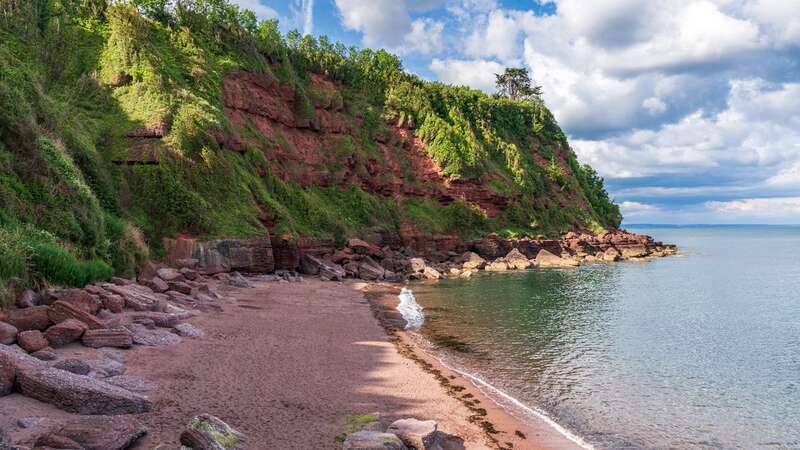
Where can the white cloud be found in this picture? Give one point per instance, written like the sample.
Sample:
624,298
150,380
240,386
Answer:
262,11
634,210
496,38
477,73
654,105
425,37
757,134
308,16
758,207
388,24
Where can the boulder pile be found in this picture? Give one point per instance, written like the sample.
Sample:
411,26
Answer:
369,262
109,317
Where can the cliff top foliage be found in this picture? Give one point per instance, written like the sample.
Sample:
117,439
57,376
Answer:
69,215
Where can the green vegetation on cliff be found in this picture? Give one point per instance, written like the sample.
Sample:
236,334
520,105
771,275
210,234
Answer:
76,75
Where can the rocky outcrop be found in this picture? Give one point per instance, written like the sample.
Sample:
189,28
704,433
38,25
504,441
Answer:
223,255
516,260
547,259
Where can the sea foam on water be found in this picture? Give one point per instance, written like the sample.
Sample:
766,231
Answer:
410,310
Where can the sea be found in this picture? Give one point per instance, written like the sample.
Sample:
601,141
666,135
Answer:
695,351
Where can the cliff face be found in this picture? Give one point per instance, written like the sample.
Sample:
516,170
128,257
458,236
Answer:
121,127
320,152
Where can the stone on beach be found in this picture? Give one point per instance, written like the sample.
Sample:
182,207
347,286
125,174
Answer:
156,284
418,434
332,272
78,394
73,365
163,320
113,337
65,332
310,265
429,273
33,318
81,299
96,433
61,311
45,354
417,265
206,432
31,340
168,274
373,440
189,330
369,270
152,338
8,333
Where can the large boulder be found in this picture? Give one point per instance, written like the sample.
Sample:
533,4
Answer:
61,311
65,332
332,272
373,440
8,333
369,270
417,265
73,365
516,260
114,337
206,432
31,340
429,273
364,248
473,261
310,265
33,318
137,298
78,394
152,338
169,274
546,259
156,284
418,434
497,265
96,433
81,299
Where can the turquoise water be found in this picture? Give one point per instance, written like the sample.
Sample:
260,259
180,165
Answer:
700,350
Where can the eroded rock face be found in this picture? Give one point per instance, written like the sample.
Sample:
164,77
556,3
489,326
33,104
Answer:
373,440
78,394
206,432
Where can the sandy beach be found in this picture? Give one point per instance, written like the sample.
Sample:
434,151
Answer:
289,363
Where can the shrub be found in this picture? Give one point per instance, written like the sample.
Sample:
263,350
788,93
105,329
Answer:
55,264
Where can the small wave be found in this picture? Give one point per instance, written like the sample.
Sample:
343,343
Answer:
494,392
410,310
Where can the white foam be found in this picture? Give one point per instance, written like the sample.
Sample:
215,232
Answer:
410,309
481,384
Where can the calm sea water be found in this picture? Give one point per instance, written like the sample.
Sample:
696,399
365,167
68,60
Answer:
700,350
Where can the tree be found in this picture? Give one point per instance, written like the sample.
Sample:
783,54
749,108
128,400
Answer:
516,84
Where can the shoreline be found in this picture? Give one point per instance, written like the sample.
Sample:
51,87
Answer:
500,426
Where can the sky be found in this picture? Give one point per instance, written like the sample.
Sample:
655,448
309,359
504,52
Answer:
690,109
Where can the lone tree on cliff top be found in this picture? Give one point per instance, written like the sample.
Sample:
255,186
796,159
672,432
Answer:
516,84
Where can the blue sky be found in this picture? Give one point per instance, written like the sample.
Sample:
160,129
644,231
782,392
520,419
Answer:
690,109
